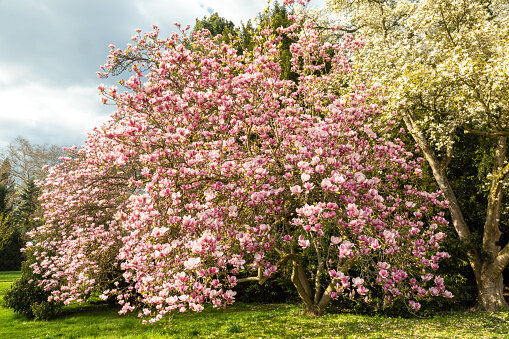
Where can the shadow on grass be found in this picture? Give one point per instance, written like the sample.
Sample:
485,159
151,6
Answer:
99,320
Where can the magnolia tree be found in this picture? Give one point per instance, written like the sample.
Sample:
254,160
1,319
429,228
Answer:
213,167
446,64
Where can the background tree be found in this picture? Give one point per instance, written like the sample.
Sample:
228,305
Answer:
215,24
27,159
10,241
272,17
6,187
28,207
445,65
23,164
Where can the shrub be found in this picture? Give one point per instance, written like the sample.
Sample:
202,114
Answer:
45,310
28,299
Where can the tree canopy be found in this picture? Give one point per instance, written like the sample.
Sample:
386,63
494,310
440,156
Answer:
214,167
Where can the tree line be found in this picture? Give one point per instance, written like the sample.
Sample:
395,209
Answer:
22,165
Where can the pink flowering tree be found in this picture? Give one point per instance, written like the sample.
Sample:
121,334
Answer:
212,167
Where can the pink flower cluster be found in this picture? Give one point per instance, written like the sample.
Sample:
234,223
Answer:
213,166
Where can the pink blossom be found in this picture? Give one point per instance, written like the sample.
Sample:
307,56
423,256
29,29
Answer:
232,211
359,177
448,294
362,290
296,189
287,238
358,281
335,240
303,243
434,291
415,305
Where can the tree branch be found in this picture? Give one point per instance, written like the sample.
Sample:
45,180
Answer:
318,286
458,220
484,133
492,233
260,278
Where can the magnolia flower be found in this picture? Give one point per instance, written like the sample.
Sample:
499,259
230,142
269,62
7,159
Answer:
434,291
303,243
335,240
308,186
358,281
362,290
415,305
232,211
192,263
296,189
359,177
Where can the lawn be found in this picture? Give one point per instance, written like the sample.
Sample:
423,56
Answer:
9,276
252,321
6,277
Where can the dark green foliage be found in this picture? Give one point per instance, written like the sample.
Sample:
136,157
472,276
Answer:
28,299
468,174
27,207
20,221
10,255
5,203
275,17
245,34
276,290
10,235
215,25
45,310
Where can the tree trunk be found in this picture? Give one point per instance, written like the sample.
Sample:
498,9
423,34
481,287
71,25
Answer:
313,311
490,280
490,286
489,261
301,283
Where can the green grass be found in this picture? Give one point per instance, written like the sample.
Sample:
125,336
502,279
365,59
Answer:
9,276
252,321
6,278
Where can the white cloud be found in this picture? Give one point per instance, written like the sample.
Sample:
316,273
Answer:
51,115
11,74
163,13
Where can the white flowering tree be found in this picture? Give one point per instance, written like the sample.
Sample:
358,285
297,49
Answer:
445,64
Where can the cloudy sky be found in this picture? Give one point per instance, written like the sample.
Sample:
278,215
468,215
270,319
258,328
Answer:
50,51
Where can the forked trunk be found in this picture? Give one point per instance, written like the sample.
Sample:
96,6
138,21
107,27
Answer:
315,303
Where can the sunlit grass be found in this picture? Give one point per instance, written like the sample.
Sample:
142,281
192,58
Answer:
252,321
9,276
